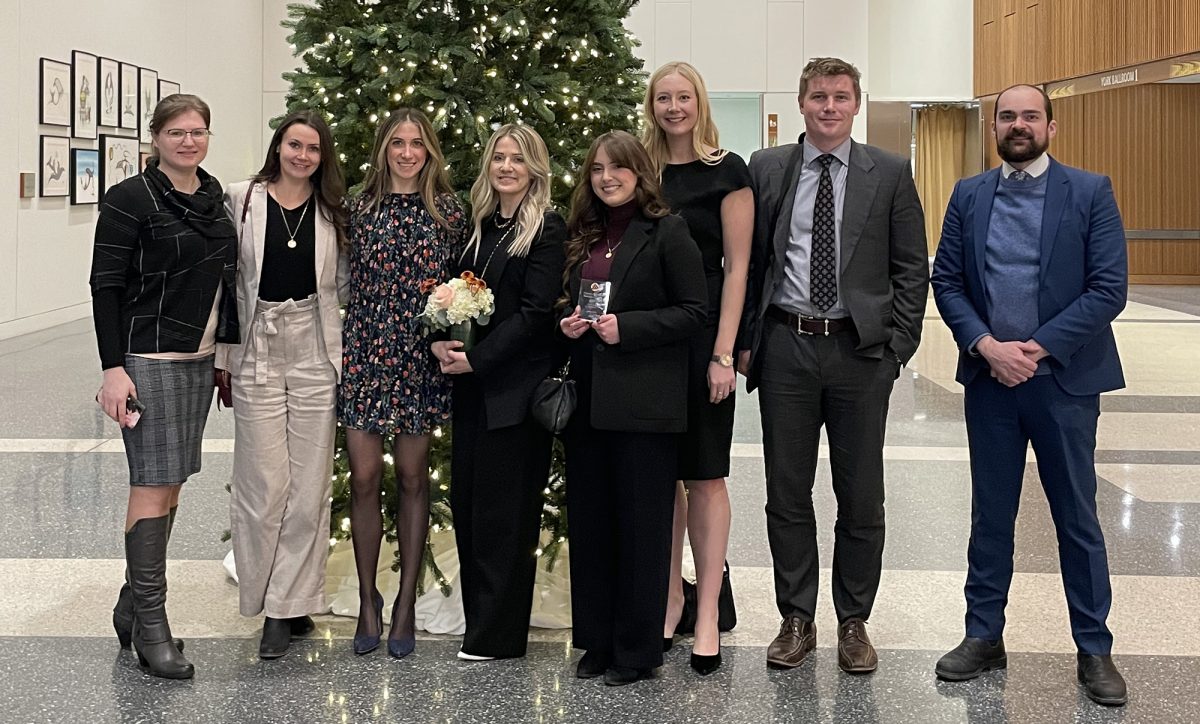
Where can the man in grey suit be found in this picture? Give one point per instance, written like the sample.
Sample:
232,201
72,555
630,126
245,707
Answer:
838,283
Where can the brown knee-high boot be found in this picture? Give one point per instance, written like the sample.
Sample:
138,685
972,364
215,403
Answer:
146,560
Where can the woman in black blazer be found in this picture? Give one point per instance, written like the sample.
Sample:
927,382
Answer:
500,455
631,368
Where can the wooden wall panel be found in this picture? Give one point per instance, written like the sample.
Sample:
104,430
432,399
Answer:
1070,116
1180,131
987,11
989,61
1181,27
1181,257
1123,140
1145,257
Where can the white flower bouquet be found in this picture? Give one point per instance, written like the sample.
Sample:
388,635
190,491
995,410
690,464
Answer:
456,304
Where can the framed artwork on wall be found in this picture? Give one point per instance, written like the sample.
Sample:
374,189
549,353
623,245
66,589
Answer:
128,91
118,160
166,88
85,176
83,94
54,81
52,162
108,92
147,99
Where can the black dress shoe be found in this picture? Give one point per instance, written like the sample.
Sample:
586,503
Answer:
301,625
276,637
1100,679
623,675
705,665
971,658
592,664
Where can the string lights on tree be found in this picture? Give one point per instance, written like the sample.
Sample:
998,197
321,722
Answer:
565,67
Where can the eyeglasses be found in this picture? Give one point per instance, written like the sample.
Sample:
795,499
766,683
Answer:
178,134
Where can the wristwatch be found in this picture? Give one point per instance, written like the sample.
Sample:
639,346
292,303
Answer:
725,360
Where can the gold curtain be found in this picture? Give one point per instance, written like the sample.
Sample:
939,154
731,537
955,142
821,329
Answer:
941,142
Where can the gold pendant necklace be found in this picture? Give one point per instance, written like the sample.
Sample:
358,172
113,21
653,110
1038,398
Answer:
291,242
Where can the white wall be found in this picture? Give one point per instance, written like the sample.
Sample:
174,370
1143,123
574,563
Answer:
921,50
213,50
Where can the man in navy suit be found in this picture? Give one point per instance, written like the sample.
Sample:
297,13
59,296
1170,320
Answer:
1030,272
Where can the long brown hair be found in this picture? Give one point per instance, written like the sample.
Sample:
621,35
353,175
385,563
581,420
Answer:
433,180
586,222
329,186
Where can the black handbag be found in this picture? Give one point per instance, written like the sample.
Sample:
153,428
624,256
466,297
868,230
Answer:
554,401
726,612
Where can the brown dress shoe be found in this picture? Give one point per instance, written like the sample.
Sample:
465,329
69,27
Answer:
796,638
856,655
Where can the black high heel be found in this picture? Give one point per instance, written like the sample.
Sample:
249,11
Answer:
705,665
365,643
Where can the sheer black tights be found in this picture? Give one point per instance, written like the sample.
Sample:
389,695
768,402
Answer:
410,454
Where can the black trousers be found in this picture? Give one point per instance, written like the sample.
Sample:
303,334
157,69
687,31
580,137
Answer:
496,496
621,496
810,381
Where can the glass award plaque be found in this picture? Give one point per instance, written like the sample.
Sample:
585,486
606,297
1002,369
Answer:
593,299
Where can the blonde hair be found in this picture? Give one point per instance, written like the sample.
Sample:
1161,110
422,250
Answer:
432,182
705,138
485,201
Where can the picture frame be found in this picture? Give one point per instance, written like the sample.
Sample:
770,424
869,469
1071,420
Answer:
128,89
84,115
118,160
166,88
108,92
54,84
54,166
85,176
147,99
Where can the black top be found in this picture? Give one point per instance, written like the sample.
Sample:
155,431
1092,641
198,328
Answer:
158,260
492,234
695,191
289,273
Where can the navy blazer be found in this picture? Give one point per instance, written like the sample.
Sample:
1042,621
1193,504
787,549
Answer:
1082,285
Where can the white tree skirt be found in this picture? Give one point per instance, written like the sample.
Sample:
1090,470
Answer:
437,613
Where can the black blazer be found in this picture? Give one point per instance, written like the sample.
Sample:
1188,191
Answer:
515,350
660,299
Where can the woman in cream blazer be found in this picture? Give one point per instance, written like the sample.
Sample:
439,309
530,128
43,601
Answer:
284,375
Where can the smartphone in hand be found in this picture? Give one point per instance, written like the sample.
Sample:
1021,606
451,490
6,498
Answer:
133,411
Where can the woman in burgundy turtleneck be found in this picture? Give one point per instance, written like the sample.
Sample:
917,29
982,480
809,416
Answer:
629,364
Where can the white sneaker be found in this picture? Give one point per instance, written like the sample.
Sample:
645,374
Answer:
472,657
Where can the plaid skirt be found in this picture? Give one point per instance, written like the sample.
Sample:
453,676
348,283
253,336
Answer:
164,447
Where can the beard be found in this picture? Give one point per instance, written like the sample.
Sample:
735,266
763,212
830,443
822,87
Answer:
1009,152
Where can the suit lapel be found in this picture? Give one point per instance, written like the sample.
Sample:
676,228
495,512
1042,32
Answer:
861,185
1058,189
326,238
783,225
495,270
983,216
632,241
258,221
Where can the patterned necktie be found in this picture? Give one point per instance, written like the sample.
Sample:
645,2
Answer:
822,276
1019,175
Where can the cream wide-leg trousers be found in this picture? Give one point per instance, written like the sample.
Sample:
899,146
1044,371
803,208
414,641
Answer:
283,403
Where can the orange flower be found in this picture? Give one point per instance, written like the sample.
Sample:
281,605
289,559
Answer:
426,285
474,283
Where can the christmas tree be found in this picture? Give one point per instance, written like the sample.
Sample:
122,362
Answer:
565,67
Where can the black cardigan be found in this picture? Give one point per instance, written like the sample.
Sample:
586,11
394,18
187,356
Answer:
158,259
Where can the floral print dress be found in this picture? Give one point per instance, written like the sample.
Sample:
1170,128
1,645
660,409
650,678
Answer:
391,382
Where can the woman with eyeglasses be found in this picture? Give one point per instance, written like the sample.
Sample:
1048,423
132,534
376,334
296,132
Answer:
291,225
405,227
162,284
635,288
501,455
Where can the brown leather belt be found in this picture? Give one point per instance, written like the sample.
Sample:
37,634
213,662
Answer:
809,325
